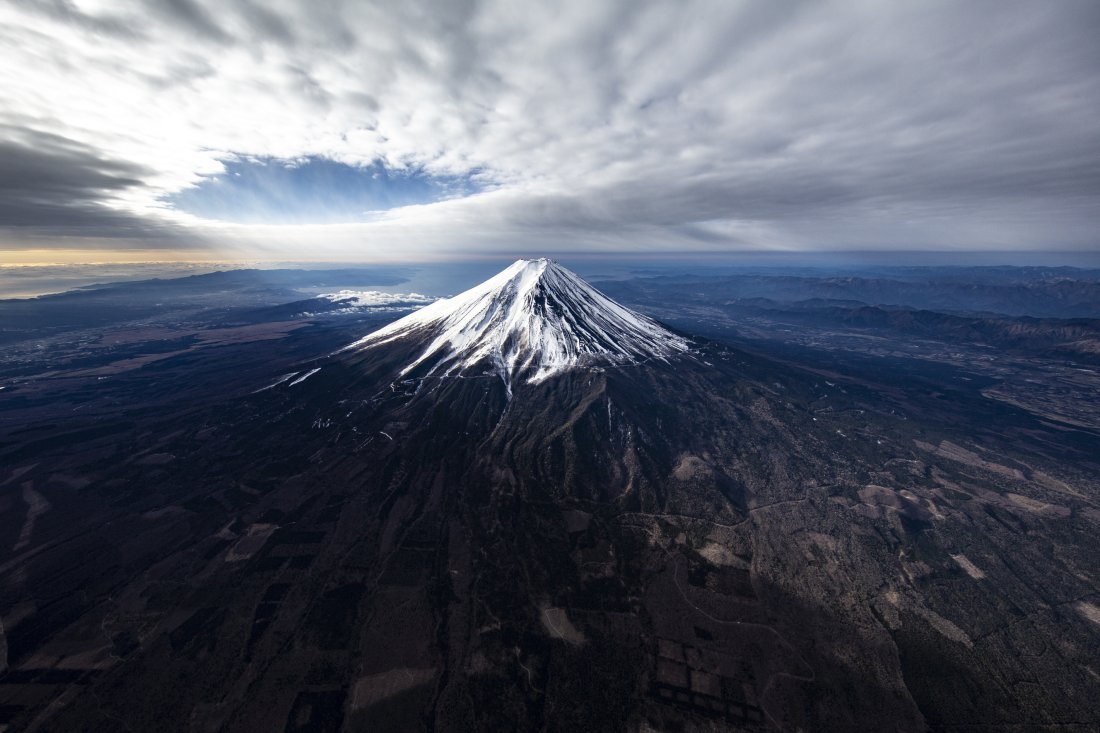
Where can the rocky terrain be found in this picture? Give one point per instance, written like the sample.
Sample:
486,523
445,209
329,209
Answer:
263,532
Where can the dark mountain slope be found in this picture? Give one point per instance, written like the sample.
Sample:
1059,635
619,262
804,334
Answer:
711,541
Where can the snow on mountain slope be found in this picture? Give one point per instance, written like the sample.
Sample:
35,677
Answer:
534,318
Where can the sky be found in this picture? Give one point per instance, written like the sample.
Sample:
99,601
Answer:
408,131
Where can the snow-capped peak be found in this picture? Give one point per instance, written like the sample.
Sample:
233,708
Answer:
535,319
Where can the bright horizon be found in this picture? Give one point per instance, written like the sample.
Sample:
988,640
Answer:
13,259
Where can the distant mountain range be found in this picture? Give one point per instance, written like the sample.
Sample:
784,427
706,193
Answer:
1007,291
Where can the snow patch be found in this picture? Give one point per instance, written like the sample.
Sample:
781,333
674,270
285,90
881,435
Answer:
276,383
304,377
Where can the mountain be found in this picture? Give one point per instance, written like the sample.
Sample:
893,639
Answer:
534,319
530,508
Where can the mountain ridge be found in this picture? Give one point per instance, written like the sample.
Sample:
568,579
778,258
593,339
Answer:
534,319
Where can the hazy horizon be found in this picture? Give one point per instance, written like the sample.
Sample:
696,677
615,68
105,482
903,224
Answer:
29,280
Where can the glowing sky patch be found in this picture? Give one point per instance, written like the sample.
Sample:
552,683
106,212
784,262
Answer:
312,190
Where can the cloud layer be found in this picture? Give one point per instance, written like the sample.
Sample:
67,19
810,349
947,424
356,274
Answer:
584,125
377,298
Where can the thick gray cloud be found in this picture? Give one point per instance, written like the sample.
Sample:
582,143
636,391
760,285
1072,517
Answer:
52,184
610,125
